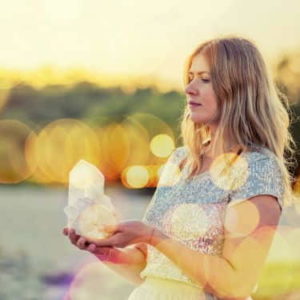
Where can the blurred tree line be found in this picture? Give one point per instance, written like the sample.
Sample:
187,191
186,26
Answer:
90,103
98,106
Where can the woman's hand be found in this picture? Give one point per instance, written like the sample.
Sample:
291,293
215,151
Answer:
127,233
105,254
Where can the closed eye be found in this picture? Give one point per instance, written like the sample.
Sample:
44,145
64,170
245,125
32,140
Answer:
202,79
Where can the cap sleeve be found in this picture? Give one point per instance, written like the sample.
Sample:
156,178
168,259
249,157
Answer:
168,177
263,176
170,173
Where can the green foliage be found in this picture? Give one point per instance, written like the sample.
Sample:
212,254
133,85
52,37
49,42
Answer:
278,279
88,102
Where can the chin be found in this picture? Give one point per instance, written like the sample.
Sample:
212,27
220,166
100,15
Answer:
196,119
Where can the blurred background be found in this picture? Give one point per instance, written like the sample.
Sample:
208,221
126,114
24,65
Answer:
102,81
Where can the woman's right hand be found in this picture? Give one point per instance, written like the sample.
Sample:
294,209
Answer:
105,254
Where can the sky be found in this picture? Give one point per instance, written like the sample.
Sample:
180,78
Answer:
137,37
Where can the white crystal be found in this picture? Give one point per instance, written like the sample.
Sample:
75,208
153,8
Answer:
89,209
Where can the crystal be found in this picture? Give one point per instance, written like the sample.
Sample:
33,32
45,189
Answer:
89,209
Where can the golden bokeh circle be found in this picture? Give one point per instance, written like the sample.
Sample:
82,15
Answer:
162,145
229,171
137,176
14,136
188,221
241,218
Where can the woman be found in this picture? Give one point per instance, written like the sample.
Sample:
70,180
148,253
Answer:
210,224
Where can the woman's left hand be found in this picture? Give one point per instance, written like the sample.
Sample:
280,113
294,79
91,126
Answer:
127,233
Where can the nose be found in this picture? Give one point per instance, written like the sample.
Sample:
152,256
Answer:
191,89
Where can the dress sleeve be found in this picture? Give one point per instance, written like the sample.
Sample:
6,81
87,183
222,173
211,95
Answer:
170,172
168,177
263,176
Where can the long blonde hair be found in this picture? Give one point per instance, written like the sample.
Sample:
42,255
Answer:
252,110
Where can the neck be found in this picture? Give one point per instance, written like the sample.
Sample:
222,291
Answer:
210,152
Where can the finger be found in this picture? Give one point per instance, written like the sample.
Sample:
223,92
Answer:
110,242
73,236
74,239
81,243
91,248
66,231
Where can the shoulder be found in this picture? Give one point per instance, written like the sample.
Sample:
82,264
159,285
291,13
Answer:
261,175
262,159
178,154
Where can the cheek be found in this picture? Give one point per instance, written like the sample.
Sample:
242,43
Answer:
210,100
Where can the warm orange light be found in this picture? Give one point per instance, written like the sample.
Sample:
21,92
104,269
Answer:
13,138
61,144
229,171
159,135
137,176
241,219
114,142
162,145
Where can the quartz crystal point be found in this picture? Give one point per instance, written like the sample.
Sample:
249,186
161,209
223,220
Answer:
89,209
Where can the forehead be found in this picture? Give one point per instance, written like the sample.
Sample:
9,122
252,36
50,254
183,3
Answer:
199,64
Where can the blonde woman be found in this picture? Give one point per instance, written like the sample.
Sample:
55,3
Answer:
210,224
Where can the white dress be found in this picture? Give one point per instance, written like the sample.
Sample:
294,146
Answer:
193,211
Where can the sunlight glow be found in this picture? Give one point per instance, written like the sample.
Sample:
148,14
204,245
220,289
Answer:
162,145
13,143
137,176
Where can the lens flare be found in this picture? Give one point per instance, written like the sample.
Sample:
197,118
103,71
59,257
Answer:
162,145
115,150
136,177
229,171
197,225
241,219
138,136
153,126
4,95
13,142
89,282
61,144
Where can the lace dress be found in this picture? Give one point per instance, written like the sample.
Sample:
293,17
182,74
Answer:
193,211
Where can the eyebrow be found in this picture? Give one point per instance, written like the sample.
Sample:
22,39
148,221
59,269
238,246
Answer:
198,73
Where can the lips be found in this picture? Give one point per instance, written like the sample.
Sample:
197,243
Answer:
192,103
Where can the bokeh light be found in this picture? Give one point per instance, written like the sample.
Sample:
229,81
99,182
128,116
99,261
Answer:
162,145
136,177
60,145
85,284
138,142
198,223
115,149
13,139
4,95
154,126
241,220
229,171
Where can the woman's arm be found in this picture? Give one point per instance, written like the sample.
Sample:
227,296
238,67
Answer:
249,229
131,262
127,262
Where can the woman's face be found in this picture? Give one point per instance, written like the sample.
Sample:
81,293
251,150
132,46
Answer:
201,98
